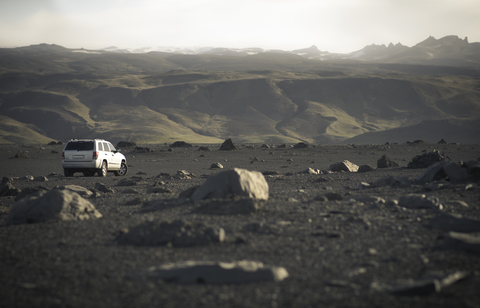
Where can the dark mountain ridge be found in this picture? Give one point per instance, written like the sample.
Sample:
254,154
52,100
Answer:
50,92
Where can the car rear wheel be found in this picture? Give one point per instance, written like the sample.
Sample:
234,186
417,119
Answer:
103,170
122,171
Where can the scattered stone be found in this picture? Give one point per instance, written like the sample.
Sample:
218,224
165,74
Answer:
216,166
419,201
101,187
21,155
426,159
455,173
343,166
228,145
40,190
27,177
236,182
311,171
125,144
262,228
364,185
7,188
365,168
237,206
41,178
419,141
457,224
301,145
126,182
442,141
82,191
265,146
54,151
178,233
159,190
462,241
142,150
184,175
370,199
204,148
54,205
385,162
180,144
425,286
456,204
206,272
332,196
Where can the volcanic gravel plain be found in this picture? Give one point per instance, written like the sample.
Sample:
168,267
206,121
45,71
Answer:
343,243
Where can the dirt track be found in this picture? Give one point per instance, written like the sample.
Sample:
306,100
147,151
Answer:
336,252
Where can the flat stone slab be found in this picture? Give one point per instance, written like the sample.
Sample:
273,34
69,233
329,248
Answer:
210,272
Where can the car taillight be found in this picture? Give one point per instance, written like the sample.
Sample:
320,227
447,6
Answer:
63,155
95,155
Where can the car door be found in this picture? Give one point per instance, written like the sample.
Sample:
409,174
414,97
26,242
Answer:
115,159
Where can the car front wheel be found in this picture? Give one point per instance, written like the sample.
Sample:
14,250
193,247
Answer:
122,171
103,170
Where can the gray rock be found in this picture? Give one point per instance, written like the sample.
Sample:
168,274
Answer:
423,286
7,188
434,172
236,182
82,191
385,162
228,145
419,201
216,166
204,148
343,166
301,145
21,155
178,233
462,241
183,175
457,224
52,206
209,272
130,191
41,178
365,168
310,170
456,173
40,190
426,159
101,187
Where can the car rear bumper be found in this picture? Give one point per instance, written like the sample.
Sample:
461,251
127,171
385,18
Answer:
71,164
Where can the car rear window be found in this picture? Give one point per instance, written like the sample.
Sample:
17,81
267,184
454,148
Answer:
80,146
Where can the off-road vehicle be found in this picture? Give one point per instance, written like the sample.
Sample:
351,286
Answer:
91,156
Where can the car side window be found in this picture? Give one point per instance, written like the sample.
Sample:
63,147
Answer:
100,147
112,148
105,147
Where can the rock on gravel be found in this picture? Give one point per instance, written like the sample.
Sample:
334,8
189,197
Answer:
419,201
209,272
343,166
178,233
385,162
52,206
236,182
426,159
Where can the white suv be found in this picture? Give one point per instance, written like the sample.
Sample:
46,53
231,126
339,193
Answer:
91,156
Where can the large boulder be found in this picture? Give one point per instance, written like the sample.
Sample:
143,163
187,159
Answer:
228,145
426,159
7,188
55,205
235,182
385,162
343,166
180,144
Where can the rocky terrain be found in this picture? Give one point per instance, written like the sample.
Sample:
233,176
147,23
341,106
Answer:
389,232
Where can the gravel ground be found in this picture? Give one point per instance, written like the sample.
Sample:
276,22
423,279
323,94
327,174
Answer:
338,253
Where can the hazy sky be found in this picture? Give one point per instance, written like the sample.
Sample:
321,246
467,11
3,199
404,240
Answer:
332,25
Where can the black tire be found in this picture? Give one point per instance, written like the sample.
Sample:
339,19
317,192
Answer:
122,171
103,170
67,172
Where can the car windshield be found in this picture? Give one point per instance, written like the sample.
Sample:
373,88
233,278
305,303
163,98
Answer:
80,146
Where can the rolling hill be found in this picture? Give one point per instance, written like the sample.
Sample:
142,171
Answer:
49,92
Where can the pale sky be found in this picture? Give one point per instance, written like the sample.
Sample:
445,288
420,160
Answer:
332,25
